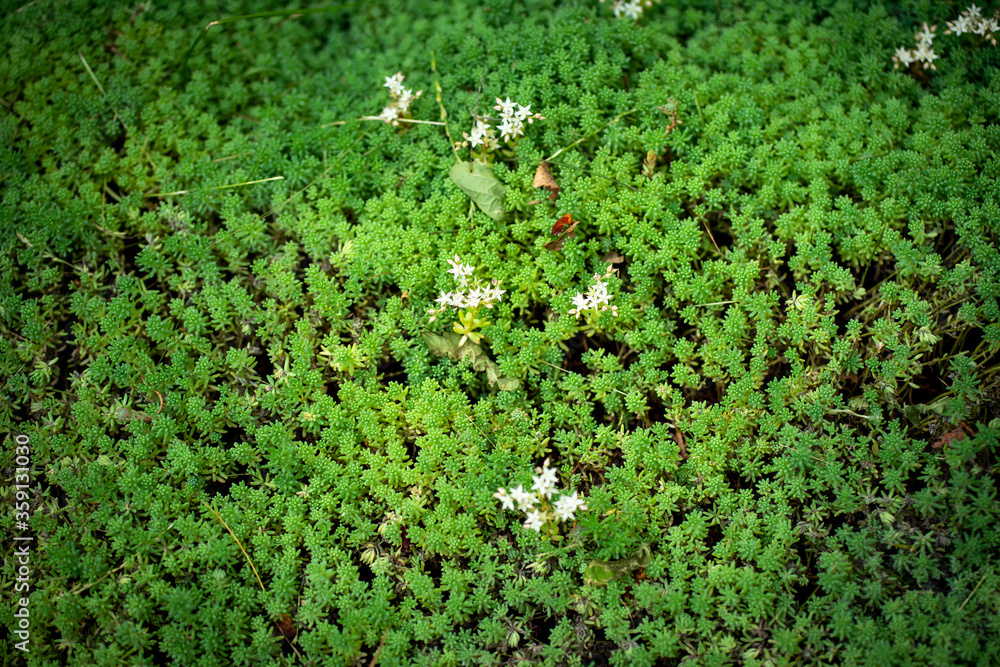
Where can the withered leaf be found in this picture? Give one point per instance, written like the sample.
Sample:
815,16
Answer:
285,626
544,179
957,433
564,228
679,439
613,258
562,223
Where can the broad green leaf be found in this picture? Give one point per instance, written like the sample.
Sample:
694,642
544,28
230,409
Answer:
476,180
475,355
503,383
600,572
509,384
447,346
442,346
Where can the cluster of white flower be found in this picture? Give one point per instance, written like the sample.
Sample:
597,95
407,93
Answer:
973,22
402,98
481,135
630,9
543,488
475,295
597,297
924,53
512,120
511,124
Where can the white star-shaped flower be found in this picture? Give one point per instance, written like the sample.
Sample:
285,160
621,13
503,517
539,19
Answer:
525,500
494,293
395,84
405,98
505,498
474,297
926,55
961,25
566,507
506,109
389,114
545,482
580,304
927,36
459,270
535,520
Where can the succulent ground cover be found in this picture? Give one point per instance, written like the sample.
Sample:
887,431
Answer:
446,333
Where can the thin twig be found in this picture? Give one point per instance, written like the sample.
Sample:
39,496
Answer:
247,556
554,366
77,590
257,15
705,222
481,430
848,412
230,157
398,120
972,593
444,114
378,651
101,88
571,372
562,165
595,132
482,75
238,543
218,187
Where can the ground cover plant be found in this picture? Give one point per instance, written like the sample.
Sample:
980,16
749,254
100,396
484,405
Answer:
496,333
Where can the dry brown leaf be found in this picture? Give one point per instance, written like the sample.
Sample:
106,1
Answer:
957,433
679,439
613,258
544,179
285,626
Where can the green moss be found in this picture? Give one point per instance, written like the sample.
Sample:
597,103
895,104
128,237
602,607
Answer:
786,437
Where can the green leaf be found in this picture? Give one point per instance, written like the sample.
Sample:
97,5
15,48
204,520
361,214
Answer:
477,358
476,180
502,383
600,572
447,346
442,346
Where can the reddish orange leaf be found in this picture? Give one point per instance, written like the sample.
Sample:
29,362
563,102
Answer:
285,626
958,433
561,224
564,228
